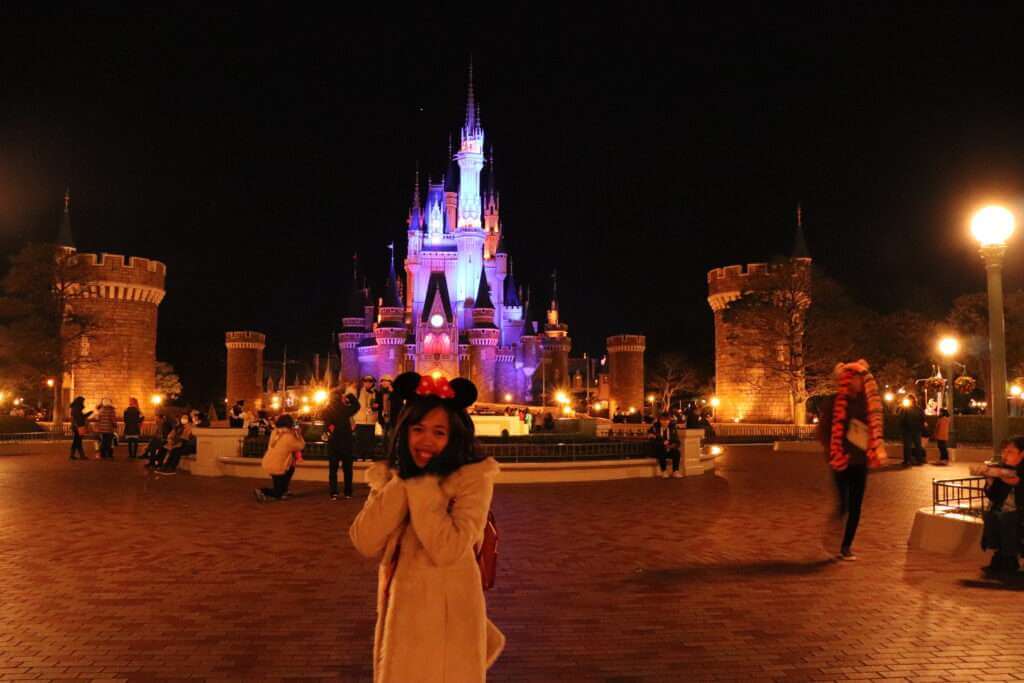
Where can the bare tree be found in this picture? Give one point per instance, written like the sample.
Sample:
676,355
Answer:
670,375
42,331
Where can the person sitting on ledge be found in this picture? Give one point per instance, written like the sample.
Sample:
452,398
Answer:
179,442
666,445
1002,531
155,451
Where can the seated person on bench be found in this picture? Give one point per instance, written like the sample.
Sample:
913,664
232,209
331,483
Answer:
1003,521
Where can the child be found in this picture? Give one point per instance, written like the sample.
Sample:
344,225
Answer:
424,517
279,460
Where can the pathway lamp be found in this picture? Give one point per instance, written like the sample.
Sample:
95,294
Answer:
949,347
992,227
156,399
715,402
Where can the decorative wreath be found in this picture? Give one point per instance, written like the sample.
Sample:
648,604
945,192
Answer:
965,384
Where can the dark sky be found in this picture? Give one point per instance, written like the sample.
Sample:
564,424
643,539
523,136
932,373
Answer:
636,147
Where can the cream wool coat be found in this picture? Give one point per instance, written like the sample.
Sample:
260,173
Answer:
432,624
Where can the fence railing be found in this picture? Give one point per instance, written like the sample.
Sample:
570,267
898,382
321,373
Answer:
34,436
739,431
964,496
256,446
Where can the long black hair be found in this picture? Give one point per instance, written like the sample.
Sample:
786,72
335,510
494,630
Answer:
461,450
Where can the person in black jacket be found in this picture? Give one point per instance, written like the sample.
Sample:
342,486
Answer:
911,428
337,421
78,427
133,418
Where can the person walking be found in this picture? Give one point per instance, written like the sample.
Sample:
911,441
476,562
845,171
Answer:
79,427
425,516
365,420
666,445
911,429
279,459
106,423
941,436
850,430
338,422
132,419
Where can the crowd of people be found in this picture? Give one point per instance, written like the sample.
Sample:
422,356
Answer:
171,440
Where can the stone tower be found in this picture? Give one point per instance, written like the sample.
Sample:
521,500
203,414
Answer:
118,357
390,332
245,367
626,372
749,383
556,345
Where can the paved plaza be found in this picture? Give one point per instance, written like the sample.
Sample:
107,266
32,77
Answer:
108,572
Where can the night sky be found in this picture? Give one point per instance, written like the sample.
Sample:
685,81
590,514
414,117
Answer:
635,149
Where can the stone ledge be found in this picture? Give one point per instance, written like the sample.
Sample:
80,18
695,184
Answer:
511,473
948,533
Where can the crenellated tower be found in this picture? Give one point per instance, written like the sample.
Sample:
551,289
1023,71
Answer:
483,343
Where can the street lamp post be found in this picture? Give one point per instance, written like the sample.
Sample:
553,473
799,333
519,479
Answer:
949,347
992,226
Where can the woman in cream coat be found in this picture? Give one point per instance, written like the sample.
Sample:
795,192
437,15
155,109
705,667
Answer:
423,518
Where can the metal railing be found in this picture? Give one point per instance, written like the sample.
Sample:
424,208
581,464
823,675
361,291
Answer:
963,496
256,446
34,436
739,431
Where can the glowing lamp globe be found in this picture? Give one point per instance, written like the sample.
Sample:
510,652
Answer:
949,346
508,397
1015,390
436,320
992,225
156,399
715,402
889,397
320,396
905,403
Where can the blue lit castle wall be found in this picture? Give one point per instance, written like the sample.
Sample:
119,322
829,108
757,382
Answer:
461,313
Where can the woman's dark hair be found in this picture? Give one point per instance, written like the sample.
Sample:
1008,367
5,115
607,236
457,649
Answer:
461,449
285,421
1016,441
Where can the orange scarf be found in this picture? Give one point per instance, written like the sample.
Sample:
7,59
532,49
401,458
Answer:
838,460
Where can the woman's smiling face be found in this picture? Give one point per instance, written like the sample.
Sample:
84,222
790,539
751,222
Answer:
429,437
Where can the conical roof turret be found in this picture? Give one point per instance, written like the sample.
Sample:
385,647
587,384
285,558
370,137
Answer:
483,293
511,294
800,249
392,297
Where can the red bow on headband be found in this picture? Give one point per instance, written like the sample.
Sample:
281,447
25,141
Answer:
436,387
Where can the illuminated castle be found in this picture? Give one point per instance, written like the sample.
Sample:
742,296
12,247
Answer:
461,313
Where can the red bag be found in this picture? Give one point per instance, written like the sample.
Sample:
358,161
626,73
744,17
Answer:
487,553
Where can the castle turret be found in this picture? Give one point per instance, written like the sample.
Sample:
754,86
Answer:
749,385
483,342
121,295
245,367
390,331
353,329
512,315
492,221
469,232
556,344
415,221
626,372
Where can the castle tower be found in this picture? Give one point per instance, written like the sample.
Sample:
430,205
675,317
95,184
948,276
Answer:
626,372
483,343
750,384
556,345
245,366
469,232
353,329
492,221
390,332
121,295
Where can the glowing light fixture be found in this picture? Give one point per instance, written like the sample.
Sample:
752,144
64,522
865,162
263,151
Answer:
889,397
992,225
561,397
1015,390
508,398
716,450
320,396
905,403
156,399
50,383
949,346
436,374
305,410
436,320
715,402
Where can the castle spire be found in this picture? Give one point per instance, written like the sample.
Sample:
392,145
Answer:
554,290
799,243
472,118
512,297
483,293
64,238
415,211
392,298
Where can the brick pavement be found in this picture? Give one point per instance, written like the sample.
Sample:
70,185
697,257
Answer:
110,573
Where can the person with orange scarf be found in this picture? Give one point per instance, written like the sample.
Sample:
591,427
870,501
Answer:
850,430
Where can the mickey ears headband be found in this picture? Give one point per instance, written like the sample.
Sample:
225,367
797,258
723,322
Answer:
459,392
